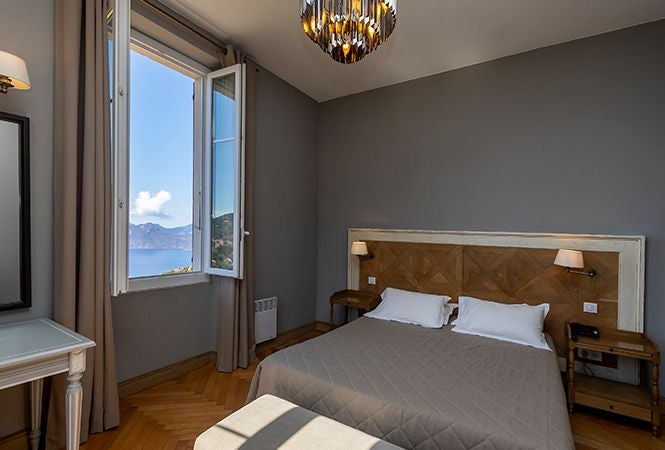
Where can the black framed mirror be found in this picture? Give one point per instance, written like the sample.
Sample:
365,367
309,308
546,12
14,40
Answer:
15,281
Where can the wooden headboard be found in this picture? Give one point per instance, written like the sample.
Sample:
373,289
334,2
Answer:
510,268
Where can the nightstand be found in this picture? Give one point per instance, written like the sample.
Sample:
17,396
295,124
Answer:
640,402
349,298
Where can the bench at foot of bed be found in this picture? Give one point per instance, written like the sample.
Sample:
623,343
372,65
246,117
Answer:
270,423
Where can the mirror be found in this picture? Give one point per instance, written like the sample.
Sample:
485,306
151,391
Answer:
15,212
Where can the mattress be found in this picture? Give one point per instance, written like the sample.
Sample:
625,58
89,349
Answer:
424,388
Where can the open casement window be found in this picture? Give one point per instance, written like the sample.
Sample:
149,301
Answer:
177,156
224,168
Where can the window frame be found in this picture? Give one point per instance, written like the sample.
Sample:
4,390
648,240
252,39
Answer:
121,282
125,39
239,232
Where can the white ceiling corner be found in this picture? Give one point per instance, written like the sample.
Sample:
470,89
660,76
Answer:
432,36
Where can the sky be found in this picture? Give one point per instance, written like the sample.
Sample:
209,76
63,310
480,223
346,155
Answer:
161,146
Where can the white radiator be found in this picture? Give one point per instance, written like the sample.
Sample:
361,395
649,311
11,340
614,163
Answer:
265,319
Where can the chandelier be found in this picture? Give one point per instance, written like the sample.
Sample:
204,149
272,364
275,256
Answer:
347,30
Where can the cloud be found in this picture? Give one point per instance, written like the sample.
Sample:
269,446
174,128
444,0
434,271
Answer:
151,205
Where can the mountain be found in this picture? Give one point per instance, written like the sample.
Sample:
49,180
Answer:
154,236
221,253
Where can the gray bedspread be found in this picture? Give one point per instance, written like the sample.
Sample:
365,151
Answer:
423,388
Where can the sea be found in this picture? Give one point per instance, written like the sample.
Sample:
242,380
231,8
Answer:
149,262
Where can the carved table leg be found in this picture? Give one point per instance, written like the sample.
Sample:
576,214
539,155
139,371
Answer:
36,388
74,399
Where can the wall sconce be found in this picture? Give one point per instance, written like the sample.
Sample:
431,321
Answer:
572,260
359,249
13,73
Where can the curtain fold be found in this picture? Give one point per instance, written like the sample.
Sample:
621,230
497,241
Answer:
82,211
236,345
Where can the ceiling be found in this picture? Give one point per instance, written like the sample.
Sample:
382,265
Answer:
431,36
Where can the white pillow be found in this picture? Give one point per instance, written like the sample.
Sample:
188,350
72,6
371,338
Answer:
426,310
521,324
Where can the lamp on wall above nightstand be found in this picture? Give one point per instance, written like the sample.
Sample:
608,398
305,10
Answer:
13,73
359,249
572,260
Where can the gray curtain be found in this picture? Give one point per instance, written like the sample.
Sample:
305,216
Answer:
82,211
235,342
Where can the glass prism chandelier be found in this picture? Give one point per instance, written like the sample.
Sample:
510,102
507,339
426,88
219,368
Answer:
348,30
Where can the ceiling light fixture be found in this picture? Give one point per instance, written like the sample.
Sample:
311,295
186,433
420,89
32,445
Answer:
348,30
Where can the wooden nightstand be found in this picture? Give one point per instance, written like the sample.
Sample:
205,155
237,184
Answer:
640,402
365,301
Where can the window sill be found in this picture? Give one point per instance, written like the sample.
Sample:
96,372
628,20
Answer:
166,281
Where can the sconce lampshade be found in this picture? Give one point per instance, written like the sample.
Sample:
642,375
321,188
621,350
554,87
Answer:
13,71
359,248
569,258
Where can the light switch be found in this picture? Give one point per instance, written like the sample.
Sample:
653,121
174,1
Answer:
371,280
591,308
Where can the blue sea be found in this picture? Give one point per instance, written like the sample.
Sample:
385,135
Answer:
149,262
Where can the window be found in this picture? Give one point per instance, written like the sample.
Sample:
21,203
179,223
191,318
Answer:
178,164
224,168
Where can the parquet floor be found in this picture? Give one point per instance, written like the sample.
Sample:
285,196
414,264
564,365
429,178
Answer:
172,414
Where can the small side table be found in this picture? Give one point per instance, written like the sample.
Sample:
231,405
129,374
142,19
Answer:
365,301
640,402
33,350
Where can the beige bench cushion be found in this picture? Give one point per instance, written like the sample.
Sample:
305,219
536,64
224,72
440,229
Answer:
270,423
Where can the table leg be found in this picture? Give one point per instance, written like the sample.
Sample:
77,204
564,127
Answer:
571,380
655,399
74,399
331,317
36,388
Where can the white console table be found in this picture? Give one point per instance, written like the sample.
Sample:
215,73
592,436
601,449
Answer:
33,350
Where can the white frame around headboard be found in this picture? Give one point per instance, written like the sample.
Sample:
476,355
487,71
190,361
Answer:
630,248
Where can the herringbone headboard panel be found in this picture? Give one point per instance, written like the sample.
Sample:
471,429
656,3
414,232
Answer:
504,274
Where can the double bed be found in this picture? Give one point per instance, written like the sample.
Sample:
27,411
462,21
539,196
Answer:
424,388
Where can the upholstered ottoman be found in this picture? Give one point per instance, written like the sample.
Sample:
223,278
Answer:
271,423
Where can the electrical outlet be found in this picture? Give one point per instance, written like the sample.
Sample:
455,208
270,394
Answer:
371,280
591,308
589,355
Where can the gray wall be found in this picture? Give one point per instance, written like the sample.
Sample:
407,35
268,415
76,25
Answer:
26,29
154,329
285,199
569,138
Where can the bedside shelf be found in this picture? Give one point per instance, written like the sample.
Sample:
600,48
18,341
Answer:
365,301
613,396
640,402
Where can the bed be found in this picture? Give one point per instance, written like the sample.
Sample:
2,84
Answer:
424,388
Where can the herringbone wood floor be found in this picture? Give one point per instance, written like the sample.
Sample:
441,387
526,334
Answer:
172,414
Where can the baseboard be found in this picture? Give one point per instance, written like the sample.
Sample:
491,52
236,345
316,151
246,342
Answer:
150,379
16,441
323,327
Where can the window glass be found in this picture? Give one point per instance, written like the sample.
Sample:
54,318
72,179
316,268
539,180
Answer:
161,164
224,166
